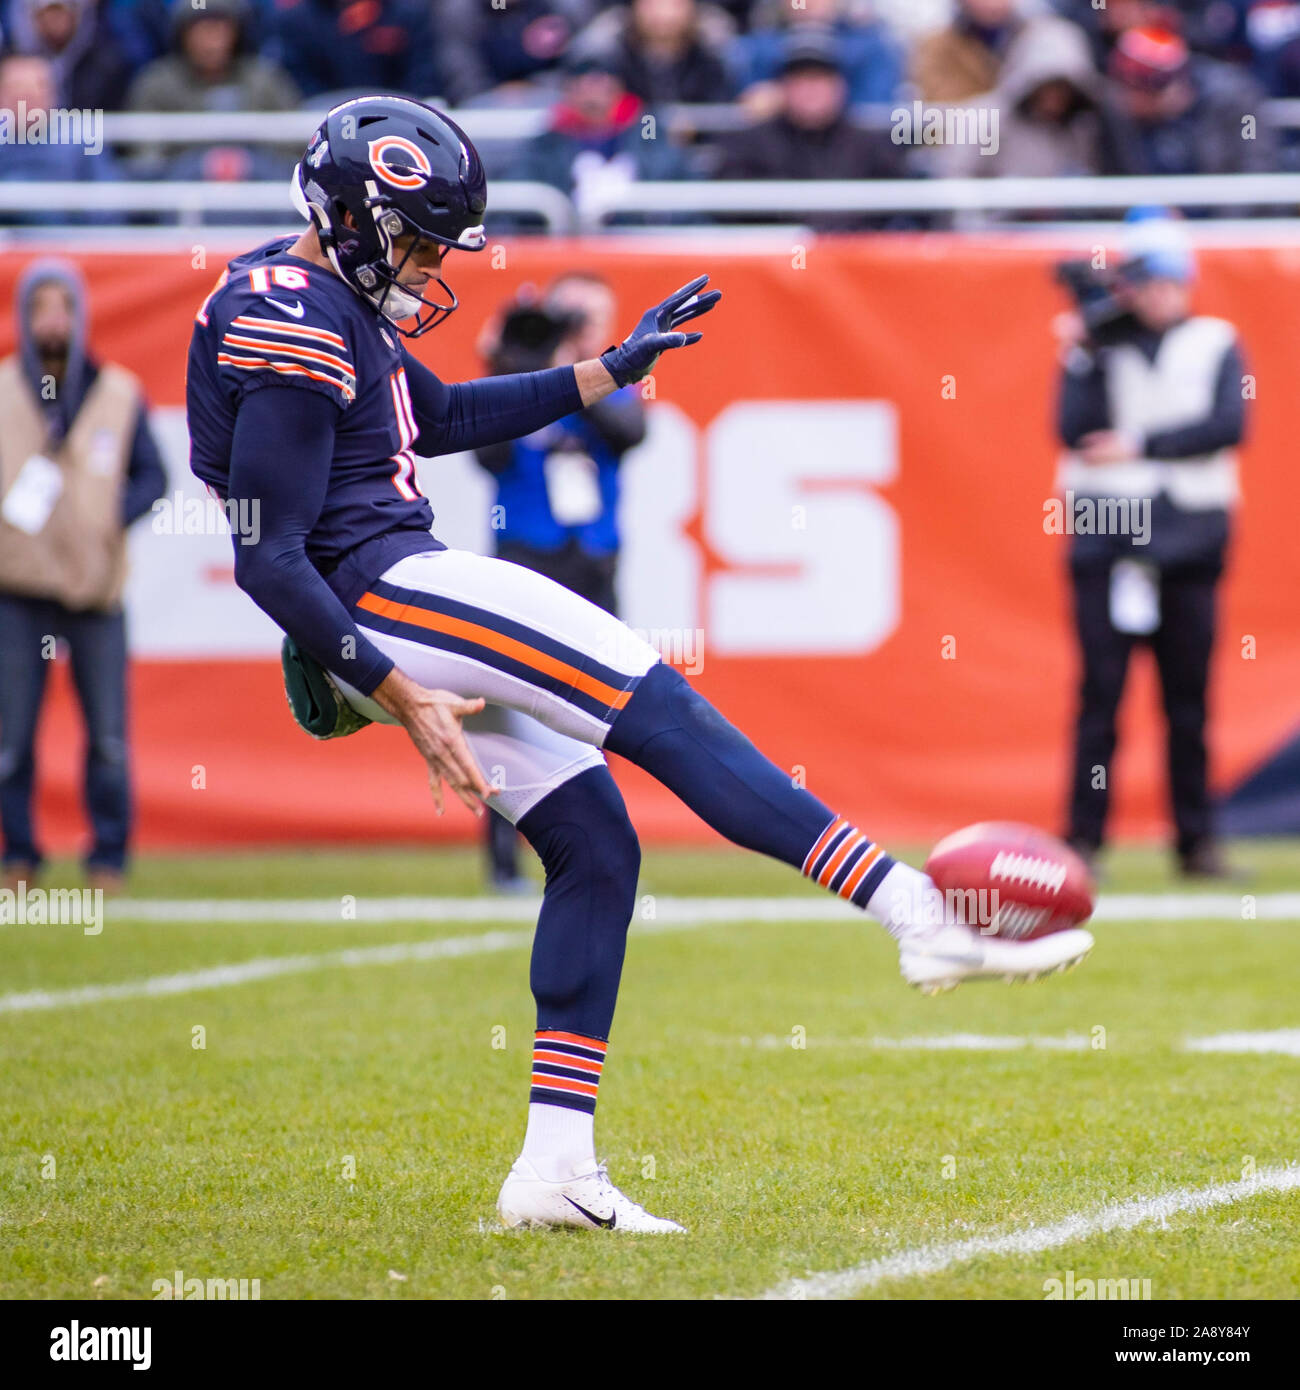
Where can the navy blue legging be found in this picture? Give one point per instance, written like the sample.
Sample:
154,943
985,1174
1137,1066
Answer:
589,848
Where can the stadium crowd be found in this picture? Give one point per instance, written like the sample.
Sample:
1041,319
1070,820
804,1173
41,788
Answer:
815,86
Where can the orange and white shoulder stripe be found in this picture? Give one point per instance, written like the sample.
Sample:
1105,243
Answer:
263,364
314,349
259,345
288,330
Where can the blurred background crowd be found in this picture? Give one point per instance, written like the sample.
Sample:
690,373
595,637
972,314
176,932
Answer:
737,89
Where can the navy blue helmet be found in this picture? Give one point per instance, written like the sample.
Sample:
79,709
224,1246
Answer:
398,167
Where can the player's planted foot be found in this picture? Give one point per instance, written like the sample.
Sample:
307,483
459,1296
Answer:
940,958
589,1201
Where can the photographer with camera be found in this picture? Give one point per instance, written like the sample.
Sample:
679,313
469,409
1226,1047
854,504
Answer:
1151,409
557,490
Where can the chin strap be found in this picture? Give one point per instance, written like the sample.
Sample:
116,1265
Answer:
385,295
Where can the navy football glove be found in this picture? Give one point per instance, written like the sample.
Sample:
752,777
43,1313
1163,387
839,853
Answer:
640,350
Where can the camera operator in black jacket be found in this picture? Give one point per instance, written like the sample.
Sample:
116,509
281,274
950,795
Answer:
1151,409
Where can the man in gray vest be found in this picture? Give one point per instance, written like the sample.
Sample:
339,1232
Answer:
1151,421
77,466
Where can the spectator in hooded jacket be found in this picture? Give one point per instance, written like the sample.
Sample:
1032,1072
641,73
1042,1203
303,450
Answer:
1172,112
89,68
1047,100
78,465
211,68
375,45
664,55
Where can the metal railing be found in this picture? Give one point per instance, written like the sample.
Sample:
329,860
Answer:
293,128
190,200
956,196
188,203
487,123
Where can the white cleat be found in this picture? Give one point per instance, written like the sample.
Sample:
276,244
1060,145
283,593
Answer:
590,1202
940,958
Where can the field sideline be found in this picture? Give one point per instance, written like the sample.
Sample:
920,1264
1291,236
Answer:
344,1128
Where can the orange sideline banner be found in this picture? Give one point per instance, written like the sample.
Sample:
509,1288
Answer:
836,527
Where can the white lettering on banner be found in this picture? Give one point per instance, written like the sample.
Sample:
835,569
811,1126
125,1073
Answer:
828,585
836,585
660,567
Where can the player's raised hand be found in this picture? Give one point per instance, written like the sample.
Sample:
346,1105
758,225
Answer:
656,333
433,720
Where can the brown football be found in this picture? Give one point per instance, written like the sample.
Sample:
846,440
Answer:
1012,880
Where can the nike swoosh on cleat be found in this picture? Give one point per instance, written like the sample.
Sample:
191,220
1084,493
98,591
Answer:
606,1222
294,310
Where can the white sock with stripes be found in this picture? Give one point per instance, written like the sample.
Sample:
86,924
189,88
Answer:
906,901
560,1143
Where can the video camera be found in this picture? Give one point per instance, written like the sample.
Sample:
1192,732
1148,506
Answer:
1107,319
530,335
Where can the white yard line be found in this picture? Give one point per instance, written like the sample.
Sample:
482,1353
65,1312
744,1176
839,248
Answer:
1124,907
267,967
1284,1040
1119,1216
940,1042
669,914
1209,907
262,968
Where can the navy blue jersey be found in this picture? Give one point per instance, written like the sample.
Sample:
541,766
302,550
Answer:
333,470
276,320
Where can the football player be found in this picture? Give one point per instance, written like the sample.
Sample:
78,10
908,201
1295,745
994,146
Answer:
303,399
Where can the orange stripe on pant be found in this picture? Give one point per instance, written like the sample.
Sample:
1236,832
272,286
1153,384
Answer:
507,646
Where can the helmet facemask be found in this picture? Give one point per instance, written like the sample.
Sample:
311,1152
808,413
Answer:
380,280
368,259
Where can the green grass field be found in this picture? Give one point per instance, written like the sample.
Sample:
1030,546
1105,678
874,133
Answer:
344,1129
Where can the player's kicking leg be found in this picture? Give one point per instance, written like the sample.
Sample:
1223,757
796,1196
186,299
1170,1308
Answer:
518,639
482,627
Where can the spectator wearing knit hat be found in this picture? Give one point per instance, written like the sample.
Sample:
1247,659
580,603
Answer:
211,68
869,56
813,136
1174,112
